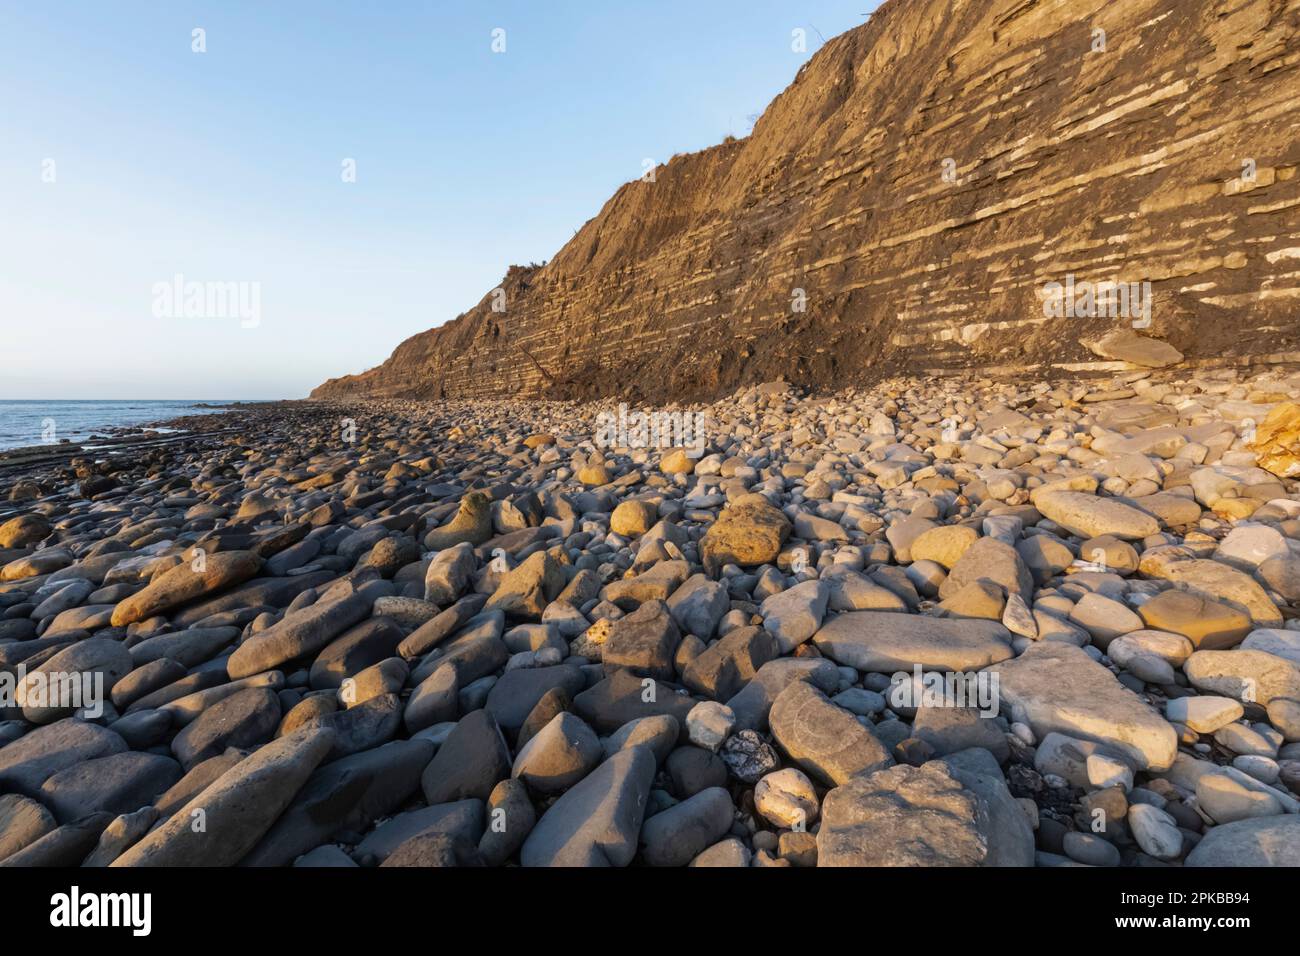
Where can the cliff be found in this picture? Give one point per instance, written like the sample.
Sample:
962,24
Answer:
916,188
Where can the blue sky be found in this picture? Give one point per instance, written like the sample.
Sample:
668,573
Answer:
226,166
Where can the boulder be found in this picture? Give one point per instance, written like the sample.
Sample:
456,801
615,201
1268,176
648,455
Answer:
675,836
748,533
297,635
29,761
793,616
188,581
1056,687
1262,841
598,821
470,762
644,642
236,810
558,756
920,816
825,740
1089,516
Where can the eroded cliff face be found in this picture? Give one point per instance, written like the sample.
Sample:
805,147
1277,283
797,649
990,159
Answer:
922,180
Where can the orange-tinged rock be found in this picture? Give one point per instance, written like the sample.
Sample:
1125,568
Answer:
1277,441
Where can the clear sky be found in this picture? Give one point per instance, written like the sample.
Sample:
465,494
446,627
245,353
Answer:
127,159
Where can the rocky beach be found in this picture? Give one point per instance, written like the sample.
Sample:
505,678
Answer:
932,621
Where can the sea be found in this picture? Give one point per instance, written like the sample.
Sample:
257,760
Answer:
38,423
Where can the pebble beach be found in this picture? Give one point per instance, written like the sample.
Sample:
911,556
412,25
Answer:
388,633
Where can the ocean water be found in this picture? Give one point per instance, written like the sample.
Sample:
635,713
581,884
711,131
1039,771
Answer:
37,423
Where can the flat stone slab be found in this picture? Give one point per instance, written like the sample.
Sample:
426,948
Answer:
1125,345
1059,688
1089,516
885,642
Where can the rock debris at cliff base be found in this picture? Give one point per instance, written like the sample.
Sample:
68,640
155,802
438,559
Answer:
936,622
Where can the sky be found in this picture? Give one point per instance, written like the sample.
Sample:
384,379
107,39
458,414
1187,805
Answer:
325,179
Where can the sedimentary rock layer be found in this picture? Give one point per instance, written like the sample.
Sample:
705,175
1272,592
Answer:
916,188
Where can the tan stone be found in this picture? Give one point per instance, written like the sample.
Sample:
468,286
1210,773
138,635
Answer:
633,518
1216,580
593,475
677,462
1208,624
1277,441
944,545
472,524
748,533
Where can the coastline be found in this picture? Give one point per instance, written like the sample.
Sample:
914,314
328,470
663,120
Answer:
467,598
